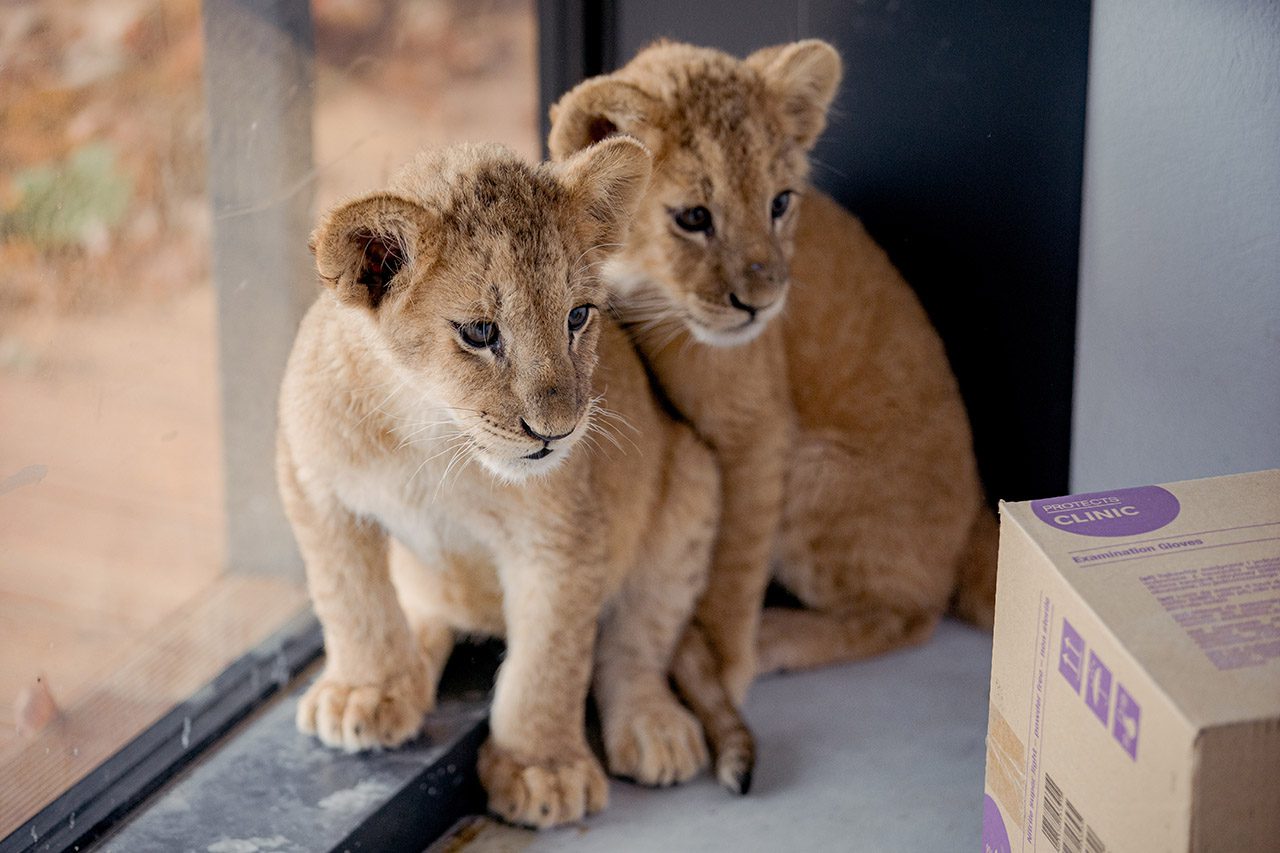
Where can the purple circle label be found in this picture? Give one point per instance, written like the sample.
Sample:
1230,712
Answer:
995,839
1122,512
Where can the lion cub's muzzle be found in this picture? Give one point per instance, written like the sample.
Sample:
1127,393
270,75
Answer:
758,289
740,317
547,439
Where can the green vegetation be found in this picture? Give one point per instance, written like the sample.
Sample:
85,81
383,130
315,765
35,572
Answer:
70,203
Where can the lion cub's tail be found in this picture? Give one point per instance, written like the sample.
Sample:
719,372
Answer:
974,599
696,678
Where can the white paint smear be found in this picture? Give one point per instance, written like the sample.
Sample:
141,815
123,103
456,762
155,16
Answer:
365,794
247,845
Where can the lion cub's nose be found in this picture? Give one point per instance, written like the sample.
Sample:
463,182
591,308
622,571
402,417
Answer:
533,433
754,307
760,286
743,306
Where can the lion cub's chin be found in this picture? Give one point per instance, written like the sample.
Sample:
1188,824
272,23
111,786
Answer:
734,336
516,470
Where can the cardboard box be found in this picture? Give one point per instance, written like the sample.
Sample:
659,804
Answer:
1135,677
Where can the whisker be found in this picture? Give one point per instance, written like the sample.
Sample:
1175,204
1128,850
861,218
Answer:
603,432
591,249
592,445
460,453
468,453
387,399
419,426
608,424
430,439
673,337
618,417
452,444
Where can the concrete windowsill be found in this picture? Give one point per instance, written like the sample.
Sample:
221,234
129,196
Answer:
882,755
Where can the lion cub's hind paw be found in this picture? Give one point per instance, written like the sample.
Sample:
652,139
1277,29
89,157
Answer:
542,795
661,744
363,717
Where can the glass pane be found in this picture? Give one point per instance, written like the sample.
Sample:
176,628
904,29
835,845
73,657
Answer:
116,601
396,77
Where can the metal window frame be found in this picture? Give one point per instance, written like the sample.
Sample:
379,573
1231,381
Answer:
259,91
577,39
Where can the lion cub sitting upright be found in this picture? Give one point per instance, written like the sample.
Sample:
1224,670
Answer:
848,464
436,426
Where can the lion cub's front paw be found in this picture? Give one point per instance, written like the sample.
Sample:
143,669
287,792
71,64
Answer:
543,794
357,717
656,743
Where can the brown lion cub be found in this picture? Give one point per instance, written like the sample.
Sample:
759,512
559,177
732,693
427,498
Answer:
449,419
845,449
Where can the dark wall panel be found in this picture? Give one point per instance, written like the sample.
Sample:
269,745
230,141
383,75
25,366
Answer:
958,138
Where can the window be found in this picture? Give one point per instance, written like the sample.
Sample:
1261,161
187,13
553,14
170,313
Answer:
161,162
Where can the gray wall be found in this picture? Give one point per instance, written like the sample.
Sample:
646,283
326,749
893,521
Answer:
1178,354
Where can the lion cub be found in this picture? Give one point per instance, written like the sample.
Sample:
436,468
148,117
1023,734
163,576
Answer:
845,449
460,416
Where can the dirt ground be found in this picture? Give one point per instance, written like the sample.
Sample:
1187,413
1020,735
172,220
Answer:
110,445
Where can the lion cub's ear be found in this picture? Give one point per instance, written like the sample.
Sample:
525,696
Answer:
804,76
361,246
597,109
606,182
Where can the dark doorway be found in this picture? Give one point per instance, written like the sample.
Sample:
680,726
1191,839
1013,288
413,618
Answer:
958,138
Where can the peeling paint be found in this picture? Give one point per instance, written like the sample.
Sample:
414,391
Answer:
366,793
24,477
247,845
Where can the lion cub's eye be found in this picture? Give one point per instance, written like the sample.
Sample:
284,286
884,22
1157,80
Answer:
578,317
694,219
781,202
479,334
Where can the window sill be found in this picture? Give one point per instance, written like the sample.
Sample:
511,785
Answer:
270,788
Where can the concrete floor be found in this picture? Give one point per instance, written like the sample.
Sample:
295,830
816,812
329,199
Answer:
885,755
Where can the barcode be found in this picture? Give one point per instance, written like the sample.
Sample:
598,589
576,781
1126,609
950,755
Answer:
1052,822
1064,825
1073,831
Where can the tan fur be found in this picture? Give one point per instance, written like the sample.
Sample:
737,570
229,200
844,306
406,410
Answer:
401,464
844,446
